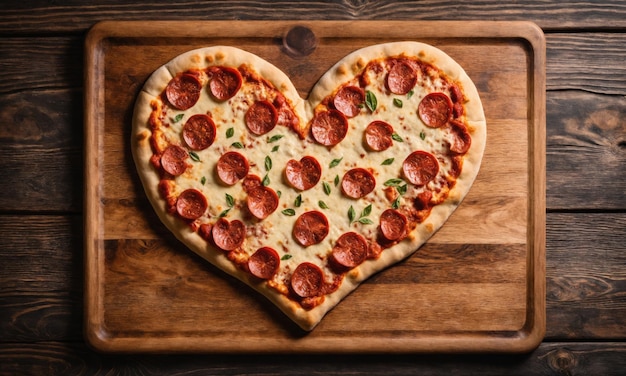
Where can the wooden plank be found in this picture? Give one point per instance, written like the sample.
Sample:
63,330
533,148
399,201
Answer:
585,112
41,297
586,291
582,358
56,64
40,187
591,62
41,133
40,278
443,290
586,156
39,15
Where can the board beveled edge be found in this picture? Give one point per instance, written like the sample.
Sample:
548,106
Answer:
524,340
93,331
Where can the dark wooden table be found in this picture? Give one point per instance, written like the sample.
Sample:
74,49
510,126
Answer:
41,204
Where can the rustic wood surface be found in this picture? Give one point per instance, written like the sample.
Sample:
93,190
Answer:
41,233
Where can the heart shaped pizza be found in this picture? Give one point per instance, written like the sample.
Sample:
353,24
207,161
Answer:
304,199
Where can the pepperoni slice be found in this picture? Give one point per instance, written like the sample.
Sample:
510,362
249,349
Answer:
349,100
457,99
310,228
228,235
420,167
262,201
251,182
261,117
329,127
191,204
174,159
422,201
232,167
225,83
378,135
455,94
401,78
435,109
264,263
183,91
357,183
462,140
206,231
199,132
307,280
350,250
393,224
304,174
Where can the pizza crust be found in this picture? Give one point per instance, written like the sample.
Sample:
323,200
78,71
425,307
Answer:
343,71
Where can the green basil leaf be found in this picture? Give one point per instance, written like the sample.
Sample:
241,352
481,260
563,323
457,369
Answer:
367,211
223,214
388,161
298,201
336,180
194,156
393,182
290,212
410,94
275,138
326,188
286,257
402,189
203,180
237,145
397,137
230,132
266,180
230,201
370,101
268,163
335,162
275,148
351,214
397,102
365,221
322,204
422,135
279,193
177,118
396,203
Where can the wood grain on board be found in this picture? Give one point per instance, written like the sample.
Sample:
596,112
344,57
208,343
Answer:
146,293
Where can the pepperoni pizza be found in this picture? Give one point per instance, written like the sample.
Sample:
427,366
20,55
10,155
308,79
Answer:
303,200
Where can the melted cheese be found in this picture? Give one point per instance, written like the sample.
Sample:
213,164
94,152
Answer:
275,230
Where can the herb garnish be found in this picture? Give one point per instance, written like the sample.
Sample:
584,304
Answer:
194,156
274,138
363,217
370,101
396,137
335,162
290,212
326,188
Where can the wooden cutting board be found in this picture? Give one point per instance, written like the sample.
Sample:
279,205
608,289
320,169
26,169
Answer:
476,285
